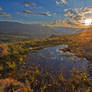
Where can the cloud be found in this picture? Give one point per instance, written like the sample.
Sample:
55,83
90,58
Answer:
58,2
74,17
28,12
68,14
31,4
64,1
66,10
6,15
78,15
46,14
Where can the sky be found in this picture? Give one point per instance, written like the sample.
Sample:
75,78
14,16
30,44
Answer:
55,12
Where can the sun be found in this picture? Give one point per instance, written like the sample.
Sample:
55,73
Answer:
88,22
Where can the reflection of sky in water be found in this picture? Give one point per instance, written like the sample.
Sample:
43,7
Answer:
53,60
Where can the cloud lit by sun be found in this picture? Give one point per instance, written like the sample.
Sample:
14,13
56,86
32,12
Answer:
87,22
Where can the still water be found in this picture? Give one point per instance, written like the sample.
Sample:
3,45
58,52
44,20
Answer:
56,61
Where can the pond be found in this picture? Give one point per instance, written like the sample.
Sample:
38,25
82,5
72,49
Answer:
55,61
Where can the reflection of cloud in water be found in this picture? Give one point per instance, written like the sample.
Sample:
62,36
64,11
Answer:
52,59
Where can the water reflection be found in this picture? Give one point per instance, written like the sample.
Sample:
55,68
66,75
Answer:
56,61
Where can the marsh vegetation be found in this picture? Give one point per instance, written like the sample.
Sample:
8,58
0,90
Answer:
37,65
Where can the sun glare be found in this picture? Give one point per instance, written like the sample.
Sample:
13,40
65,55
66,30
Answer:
88,22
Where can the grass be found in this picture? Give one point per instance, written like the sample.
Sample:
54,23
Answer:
6,38
12,65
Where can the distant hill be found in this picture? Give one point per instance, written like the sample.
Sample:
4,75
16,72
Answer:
34,30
